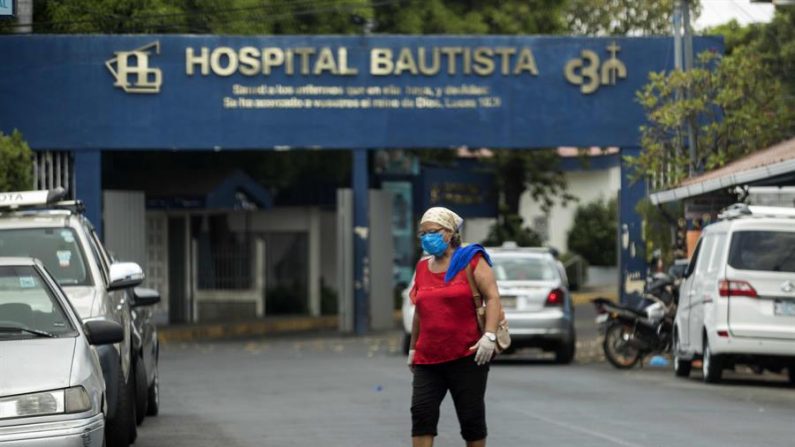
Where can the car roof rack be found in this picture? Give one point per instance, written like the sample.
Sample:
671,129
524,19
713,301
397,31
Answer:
743,210
47,199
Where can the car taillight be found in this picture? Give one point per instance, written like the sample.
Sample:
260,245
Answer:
728,288
555,298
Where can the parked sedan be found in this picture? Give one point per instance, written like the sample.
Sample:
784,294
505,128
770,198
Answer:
535,295
51,388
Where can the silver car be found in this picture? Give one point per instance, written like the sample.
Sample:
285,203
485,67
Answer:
35,224
535,295
51,388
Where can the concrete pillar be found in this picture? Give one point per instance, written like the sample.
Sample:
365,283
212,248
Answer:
361,270
314,261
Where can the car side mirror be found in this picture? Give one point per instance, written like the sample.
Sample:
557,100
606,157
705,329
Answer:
124,275
103,332
145,297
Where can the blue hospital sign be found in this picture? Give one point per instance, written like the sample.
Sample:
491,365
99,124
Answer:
211,92
7,8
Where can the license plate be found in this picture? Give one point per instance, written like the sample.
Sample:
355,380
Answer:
784,308
601,319
508,301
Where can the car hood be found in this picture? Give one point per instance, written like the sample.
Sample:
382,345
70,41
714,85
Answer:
31,365
82,298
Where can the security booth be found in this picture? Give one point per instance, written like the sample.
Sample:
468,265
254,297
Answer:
86,99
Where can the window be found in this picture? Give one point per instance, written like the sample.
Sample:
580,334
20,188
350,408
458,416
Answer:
523,269
701,265
717,254
57,248
772,251
26,301
692,265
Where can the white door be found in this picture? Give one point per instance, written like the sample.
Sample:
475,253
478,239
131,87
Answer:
685,299
701,284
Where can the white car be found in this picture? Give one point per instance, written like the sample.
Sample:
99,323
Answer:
36,224
51,388
737,299
535,296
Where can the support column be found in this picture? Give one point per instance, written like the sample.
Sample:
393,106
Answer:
632,248
88,184
314,262
361,270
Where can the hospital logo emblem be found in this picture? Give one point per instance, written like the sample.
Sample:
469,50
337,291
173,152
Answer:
589,72
132,72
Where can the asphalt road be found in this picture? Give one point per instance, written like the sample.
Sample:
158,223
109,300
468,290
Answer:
327,390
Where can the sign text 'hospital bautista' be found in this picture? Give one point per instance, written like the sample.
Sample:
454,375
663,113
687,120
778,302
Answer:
420,61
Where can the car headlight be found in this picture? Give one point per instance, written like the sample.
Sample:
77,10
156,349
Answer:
69,400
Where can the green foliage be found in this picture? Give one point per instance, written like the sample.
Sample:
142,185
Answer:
773,43
658,228
735,103
16,163
537,171
509,228
622,17
107,16
470,17
593,234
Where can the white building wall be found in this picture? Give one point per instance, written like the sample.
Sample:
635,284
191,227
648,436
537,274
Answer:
587,186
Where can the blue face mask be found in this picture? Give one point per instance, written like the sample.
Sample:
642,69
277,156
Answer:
434,243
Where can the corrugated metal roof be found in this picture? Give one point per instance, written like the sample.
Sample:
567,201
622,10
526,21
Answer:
773,161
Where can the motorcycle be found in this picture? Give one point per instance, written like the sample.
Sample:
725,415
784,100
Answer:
633,332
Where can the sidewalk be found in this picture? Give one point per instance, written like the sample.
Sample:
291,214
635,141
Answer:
243,329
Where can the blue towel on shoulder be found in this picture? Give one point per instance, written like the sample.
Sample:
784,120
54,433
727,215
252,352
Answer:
462,257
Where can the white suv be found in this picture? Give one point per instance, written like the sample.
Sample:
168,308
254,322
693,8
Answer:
737,301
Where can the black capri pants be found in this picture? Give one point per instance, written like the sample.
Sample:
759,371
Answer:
466,382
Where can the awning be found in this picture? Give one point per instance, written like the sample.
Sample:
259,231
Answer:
772,166
208,190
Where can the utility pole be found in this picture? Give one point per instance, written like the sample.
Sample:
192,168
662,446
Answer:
683,55
24,17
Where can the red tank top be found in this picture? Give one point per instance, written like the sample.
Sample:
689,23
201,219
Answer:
448,326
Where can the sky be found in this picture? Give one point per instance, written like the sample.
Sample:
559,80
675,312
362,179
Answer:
716,12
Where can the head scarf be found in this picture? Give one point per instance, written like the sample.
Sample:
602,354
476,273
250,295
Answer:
444,217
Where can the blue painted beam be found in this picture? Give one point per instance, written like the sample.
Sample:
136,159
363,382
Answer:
632,248
88,185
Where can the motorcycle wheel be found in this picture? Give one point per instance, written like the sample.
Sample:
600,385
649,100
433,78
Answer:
617,349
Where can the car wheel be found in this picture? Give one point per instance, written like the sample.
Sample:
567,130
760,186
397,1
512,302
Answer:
153,404
406,343
712,366
567,350
141,391
117,430
682,367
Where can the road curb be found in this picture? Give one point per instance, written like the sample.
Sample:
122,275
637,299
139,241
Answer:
580,298
242,329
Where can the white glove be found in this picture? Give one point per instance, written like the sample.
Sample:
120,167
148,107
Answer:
410,360
485,350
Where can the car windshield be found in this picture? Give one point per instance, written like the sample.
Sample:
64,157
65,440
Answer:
523,269
28,305
772,251
57,248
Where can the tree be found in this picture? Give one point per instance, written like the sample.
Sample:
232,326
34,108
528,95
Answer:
16,163
470,17
773,42
622,17
738,107
509,228
593,234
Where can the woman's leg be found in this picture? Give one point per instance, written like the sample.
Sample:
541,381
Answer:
428,390
467,382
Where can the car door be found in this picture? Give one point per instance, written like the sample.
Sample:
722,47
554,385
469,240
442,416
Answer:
685,298
697,292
